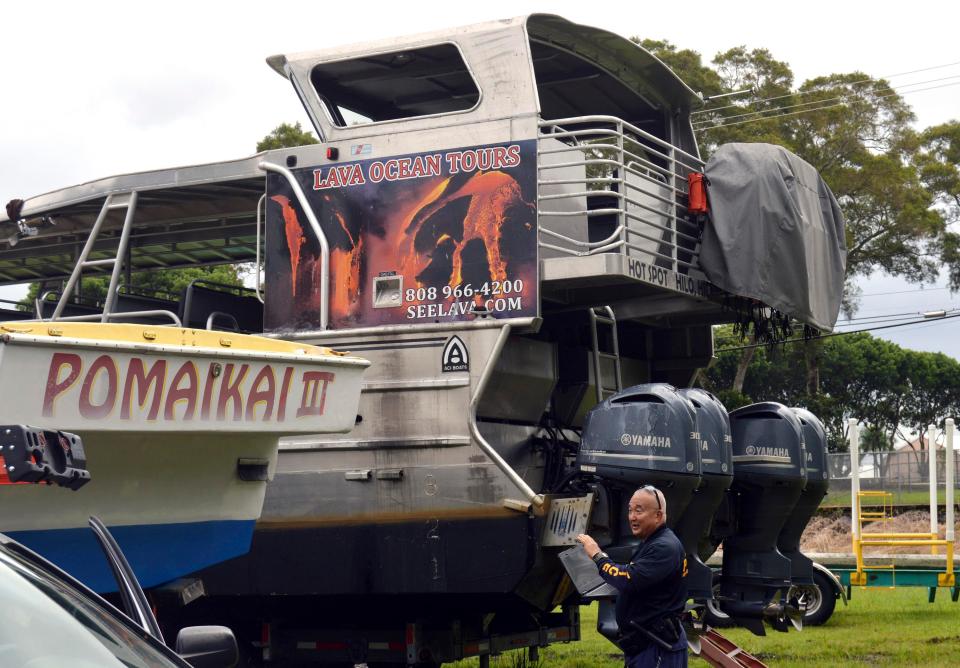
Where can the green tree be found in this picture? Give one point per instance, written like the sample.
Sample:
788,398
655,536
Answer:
168,283
887,387
898,190
286,136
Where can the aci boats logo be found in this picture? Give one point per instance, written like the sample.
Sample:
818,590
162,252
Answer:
455,356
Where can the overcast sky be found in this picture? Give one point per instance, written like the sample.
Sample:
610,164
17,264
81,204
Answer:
96,88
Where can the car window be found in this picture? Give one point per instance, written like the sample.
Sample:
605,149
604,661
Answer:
44,623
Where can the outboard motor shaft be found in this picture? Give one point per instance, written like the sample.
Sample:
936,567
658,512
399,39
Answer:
769,461
716,476
818,482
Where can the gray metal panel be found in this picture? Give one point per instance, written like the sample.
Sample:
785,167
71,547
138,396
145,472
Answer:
522,381
491,51
416,419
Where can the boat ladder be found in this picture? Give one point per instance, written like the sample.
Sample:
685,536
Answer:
606,352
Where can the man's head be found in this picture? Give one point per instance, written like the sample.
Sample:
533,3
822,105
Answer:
647,511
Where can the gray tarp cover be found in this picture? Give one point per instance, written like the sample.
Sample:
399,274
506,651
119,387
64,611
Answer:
775,234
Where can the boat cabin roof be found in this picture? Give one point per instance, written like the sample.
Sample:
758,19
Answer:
539,65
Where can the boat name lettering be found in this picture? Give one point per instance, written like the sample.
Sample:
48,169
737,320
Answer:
416,167
163,389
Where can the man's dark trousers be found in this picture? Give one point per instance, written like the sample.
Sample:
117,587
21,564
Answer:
655,656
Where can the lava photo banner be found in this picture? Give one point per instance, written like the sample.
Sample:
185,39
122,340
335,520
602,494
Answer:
420,238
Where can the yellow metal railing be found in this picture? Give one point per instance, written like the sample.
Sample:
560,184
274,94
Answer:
886,539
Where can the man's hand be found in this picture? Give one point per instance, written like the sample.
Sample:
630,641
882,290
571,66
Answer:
589,544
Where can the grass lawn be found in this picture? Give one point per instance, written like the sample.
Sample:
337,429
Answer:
879,627
838,498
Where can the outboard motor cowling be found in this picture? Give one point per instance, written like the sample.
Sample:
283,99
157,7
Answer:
716,476
769,460
818,482
644,435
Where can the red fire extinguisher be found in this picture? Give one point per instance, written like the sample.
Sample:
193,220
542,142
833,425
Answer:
697,194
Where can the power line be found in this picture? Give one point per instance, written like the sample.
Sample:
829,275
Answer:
705,126
875,320
818,89
845,95
776,113
833,334
900,292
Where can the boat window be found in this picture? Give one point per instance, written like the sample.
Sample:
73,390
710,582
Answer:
401,84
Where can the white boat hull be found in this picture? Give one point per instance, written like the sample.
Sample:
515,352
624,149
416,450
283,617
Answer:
164,428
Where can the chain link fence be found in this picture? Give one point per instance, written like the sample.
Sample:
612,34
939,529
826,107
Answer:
904,473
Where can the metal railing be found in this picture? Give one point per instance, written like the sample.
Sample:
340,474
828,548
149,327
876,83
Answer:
606,186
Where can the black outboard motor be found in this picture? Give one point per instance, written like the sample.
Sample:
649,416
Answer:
818,482
769,462
716,476
643,435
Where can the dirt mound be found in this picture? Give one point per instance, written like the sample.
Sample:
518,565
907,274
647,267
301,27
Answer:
831,533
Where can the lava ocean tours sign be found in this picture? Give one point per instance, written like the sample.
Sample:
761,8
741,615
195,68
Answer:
429,237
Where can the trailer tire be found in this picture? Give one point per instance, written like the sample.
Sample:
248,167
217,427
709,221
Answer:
714,616
820,599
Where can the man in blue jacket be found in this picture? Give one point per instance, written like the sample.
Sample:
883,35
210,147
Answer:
652,587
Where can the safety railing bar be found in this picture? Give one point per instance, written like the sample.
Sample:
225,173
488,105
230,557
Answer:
222,314
671,201
514,477
622,123
256,265
654,240
117,315
688,161
581,149
629,216
588,213
583,244
566,182
662,172
583,193
634,230
573,253
317,231
577,134
87,247
577,163
602,145
669,215
122,246
607,248
643,216
644,161
99,263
